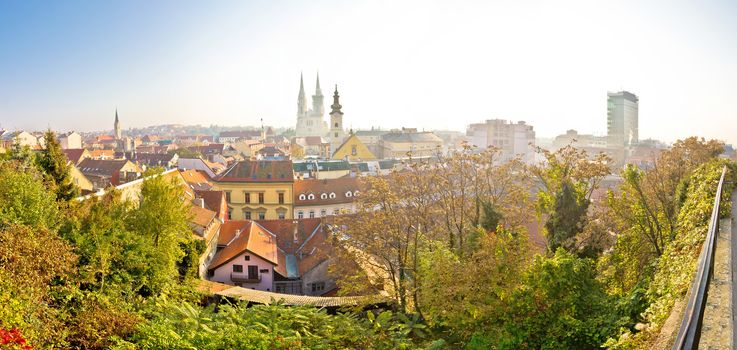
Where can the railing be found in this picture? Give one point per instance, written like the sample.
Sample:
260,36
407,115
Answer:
690,331
244,277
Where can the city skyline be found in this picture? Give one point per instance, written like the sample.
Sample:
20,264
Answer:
438,66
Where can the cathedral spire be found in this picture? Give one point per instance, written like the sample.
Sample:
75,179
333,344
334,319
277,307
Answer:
301,99
318,107
318,92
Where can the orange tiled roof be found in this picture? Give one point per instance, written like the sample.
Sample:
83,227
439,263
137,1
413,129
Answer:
201,216
254,239
259,171
339,187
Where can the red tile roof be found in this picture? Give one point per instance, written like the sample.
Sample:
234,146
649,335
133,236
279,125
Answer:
336,188
259,171
197,179
74,154
254,239
284,231
213,199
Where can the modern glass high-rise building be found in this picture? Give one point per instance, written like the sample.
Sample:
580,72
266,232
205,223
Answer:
622,122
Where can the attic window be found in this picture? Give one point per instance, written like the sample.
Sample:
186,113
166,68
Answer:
311,196
349,194
302,197
323,196
332,195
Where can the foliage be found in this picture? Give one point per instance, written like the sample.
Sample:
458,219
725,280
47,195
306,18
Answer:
568,179
55,166
567,218
36,268
466,298
674,269
184,326
13,339
561,305
23,197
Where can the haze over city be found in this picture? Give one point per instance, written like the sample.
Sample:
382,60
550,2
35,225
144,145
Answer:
430,65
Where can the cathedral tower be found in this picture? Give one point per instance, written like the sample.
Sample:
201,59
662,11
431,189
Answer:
318,107
337,134
116,127
301,99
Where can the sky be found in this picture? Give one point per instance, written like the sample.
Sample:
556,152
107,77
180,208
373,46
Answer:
426,64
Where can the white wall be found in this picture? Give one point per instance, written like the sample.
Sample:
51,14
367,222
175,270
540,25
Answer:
222,273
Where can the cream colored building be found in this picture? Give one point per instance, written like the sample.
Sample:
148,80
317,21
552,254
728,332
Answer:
410,142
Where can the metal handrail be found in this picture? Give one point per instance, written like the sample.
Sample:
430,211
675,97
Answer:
690,331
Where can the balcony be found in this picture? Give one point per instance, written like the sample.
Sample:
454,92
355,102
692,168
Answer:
244,277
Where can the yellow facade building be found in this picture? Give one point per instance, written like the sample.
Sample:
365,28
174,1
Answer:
258,189
353,149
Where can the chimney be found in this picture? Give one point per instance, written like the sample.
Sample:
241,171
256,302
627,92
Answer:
199,202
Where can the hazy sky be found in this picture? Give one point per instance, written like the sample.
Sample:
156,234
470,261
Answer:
69,64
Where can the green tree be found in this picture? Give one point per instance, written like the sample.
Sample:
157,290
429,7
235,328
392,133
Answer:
567,218
560,305
55,165
23,197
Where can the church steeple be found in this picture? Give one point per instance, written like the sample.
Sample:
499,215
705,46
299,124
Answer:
116,127
336,103
318,92
318,107
301,99
337,134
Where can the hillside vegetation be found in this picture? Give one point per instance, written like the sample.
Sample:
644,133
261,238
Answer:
449,244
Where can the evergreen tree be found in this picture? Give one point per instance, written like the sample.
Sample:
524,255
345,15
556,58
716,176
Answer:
567,219
55,164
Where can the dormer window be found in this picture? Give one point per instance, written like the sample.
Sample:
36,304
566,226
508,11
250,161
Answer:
349,194
323,196
302,197
355,193
311,196
332,195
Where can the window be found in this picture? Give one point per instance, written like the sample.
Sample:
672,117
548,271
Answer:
332,195
230,213
336,125
311,196
355,193
261,215
336,134
281,215
264,271
281,198
248,197
210,273
252,272
312,213
247,215
323,212
237,268
324,196
300,215
354,150
336,211
302,197
318,286
349,194
261,198
247,257
227,196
